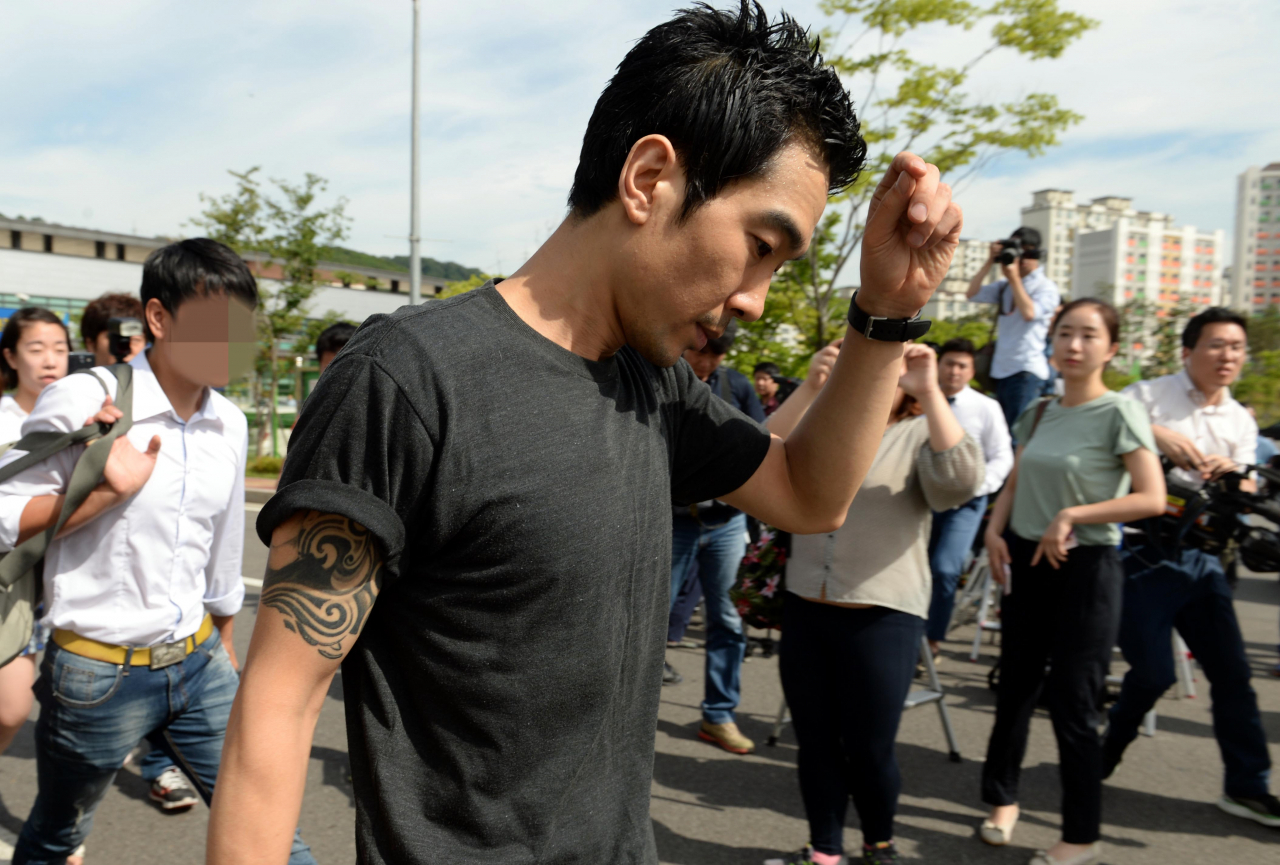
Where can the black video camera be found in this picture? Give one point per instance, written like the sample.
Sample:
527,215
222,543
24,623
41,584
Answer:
1209,518
1010,250
121,332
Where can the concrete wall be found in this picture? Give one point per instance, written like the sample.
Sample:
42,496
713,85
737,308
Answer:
83,278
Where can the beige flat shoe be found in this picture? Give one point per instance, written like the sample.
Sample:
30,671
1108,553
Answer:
1090,855
996,836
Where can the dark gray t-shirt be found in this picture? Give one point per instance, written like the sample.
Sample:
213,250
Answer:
502,700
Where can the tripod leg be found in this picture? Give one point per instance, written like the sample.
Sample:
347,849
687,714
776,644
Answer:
936,686
983,608
778,724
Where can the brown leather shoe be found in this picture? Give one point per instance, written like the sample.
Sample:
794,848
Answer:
727,737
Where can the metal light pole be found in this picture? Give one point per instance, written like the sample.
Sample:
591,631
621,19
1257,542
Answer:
415,257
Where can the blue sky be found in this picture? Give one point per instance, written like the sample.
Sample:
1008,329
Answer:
117,116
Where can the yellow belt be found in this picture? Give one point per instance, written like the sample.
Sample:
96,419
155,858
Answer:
113,654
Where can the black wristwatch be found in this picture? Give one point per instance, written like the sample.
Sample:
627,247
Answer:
886,329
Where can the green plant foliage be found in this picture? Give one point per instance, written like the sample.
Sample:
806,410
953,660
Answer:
265,466
291,229
462,286
905,103
1260,386
975,328
430,267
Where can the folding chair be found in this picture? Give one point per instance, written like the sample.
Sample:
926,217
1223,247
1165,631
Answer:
917,697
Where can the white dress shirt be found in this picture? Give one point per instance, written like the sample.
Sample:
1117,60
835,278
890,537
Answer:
1020,343
144,572
983,419
1174,402
11,419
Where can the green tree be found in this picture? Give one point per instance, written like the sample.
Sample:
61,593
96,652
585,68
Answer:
462,286
975,328
1260,386
1164,357
346,277
909,104
291,230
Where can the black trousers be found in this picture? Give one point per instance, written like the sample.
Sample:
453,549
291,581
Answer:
1068,620
846,674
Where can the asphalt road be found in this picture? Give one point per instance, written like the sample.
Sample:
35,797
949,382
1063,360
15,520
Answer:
710,807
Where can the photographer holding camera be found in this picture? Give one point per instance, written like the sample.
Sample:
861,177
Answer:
1027,300
1205,434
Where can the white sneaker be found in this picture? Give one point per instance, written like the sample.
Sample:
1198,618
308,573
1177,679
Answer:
172,791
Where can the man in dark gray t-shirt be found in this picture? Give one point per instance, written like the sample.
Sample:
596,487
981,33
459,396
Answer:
490,567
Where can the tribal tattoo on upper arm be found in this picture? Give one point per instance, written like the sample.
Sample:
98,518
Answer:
323,575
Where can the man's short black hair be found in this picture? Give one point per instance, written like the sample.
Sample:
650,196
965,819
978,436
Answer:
1212,315
960,345
1030,237
178,272
729,90
100,311
767,366
334,337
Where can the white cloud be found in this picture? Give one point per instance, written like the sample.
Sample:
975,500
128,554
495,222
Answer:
118,115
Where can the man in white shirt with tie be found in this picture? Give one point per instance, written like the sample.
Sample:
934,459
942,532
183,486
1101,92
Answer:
142,585
954,530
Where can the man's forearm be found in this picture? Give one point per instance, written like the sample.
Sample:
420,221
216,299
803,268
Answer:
1021,300
42,512
262,775
831,449
975,284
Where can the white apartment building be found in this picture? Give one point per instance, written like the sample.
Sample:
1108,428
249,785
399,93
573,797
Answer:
949,301
63,268
1144,257
1058,218
1255,270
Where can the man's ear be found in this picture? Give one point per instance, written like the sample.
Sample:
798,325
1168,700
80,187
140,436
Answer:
651,179
157,318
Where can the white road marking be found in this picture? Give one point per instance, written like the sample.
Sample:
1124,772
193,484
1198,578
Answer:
253,507
250,581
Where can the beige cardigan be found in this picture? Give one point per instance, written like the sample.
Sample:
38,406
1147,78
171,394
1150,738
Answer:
881,554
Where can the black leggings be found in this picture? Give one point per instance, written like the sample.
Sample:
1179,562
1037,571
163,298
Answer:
1068,620
846,674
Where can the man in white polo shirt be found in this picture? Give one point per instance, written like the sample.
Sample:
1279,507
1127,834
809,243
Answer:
954,530
142,586
1205,433
1027,300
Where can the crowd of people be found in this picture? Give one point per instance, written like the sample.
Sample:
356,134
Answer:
494,569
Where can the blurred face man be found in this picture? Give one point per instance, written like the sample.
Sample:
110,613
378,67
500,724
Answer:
955,371
1217,358
766,385
207,341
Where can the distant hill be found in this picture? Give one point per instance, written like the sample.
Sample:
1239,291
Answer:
449,270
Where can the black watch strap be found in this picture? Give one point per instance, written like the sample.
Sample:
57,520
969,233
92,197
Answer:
886,329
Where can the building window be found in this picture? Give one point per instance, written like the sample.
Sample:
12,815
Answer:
395,286
119,252
48,243
15,239
99,249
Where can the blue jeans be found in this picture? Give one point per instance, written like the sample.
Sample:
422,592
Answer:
718,552
92,714
1015,392
949,542
1189,593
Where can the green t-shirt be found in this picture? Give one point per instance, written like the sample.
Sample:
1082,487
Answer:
1074,458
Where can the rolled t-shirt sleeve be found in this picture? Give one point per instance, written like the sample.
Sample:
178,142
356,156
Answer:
359,450
717,448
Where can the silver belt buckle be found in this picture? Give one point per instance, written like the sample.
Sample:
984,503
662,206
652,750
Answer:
168,654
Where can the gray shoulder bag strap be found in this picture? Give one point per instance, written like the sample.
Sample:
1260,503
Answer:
19,586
